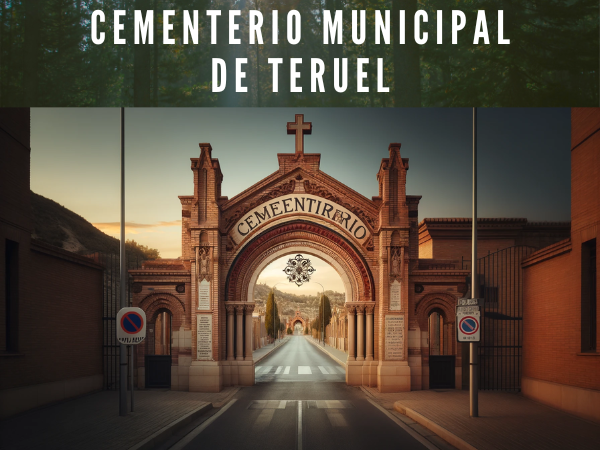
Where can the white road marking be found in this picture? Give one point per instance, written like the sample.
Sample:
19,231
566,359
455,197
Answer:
196,431
257,369
299,440
287,370
336,418
279,369
304,370
323,370
267,370
264,419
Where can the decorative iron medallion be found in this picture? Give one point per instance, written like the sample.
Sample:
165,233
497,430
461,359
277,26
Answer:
299,270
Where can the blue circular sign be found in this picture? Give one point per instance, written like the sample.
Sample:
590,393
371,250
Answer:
469,325
132,322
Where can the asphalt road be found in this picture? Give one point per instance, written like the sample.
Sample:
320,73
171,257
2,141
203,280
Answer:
309,407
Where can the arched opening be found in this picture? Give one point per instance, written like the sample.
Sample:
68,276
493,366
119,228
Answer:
356,318
441,351
158,359
163,327
303,304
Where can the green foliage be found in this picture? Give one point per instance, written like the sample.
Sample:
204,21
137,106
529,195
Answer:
317,324
146,252
271,305
306,330
289,331
49,59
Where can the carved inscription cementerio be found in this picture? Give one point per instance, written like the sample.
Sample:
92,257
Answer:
306,204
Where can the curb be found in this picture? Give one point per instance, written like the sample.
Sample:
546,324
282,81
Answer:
443,433
284,341
167,431
324,350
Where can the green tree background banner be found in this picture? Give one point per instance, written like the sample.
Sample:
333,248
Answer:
47,57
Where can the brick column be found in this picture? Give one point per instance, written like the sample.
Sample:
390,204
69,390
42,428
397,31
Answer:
239,329
248,309
230,309
369,310
351,337
360,328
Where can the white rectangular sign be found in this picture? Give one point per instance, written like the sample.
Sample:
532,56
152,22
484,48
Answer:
204,295
469,301
395,297
468,326
394,338
204,337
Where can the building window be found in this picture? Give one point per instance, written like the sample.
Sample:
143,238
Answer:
11,286
588,296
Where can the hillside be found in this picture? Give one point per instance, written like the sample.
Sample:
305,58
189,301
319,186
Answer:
288,302
61,227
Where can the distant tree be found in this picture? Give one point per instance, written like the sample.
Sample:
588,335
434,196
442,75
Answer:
306,330
269,315
145,251
289,331
327,314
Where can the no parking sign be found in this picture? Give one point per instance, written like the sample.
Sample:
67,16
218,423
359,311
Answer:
131,326
468,328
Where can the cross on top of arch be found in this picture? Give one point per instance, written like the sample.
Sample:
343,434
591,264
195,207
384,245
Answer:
299,128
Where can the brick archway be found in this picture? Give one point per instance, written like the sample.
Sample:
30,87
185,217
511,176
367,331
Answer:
153,304
311,239
427,304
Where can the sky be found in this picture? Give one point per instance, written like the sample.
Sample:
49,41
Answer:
324,274
523,159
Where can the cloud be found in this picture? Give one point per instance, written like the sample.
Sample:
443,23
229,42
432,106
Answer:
134,228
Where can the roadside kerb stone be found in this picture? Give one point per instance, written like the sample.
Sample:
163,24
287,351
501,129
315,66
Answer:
446,435
167,431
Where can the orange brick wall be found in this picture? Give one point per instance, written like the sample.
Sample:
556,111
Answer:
552,279
551,323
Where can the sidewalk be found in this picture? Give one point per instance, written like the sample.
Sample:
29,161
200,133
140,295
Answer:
507,420
93,421
339,356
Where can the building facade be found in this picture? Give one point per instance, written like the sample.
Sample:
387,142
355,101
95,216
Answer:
50,299
561,343
373,244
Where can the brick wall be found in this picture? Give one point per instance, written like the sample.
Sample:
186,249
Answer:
552,276
60,319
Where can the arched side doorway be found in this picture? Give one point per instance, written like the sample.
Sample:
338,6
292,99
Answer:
440,359
160,356
310,239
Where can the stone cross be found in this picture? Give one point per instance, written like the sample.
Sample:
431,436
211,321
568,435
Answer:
299,128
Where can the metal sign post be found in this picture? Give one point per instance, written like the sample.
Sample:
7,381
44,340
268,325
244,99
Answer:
131,330
123,278
474,346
